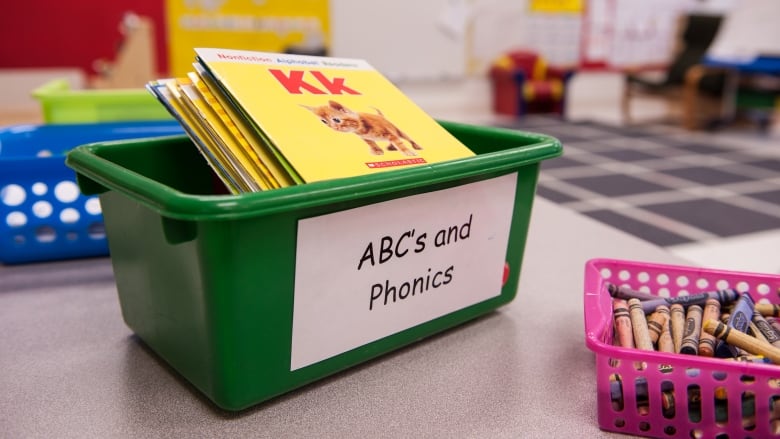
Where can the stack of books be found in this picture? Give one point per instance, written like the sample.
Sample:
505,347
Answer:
268,120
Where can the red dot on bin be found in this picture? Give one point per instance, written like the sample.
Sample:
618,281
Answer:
506,273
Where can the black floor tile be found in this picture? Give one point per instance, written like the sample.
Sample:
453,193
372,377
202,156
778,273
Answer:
554,195
716,217
768,196
627,155
626,131
562,162
698,148
620,144
640,229
568,133
707,175
771,164
616,185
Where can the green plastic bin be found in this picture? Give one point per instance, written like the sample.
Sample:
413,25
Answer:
60,104
237,292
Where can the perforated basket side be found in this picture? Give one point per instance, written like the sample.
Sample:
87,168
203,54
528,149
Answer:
44,215
656,394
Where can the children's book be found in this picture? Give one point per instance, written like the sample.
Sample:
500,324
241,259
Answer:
219,115
278,169
223,140
326,117
165,92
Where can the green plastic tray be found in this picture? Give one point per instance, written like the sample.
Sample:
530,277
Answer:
208,281
60,104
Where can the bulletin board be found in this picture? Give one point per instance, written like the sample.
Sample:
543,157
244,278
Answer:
271,26
623,34
555,29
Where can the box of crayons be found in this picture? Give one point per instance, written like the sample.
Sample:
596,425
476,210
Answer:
684,352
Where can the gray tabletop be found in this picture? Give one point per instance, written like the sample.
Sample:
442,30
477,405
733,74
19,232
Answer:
69,367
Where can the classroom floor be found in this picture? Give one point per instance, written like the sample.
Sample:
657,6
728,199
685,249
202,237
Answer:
712,198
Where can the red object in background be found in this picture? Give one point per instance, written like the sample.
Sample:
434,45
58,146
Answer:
76,33
522,83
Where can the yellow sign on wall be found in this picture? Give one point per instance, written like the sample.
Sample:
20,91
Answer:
300,26
558,6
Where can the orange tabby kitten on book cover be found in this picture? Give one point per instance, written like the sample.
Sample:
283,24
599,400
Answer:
369,127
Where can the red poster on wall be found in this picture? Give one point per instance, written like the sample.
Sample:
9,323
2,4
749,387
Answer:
77,33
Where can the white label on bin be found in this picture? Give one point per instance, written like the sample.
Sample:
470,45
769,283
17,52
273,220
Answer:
370,272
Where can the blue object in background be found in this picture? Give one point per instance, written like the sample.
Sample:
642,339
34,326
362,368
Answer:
43,215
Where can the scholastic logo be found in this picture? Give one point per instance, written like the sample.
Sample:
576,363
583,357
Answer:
395,163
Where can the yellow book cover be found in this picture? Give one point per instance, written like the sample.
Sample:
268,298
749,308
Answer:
209,141
223,139
162,90
217,116
258,149
330,117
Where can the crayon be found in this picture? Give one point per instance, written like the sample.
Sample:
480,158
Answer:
690,342
721,404
742,340
667,404
706,341
616,392
768,309
625,293
724,318
773,322
748,411
740,318
639,325
623,331
694,403
723,296
774,415
677,325
642,396
665,343
771,333
656,322
755,332
747,358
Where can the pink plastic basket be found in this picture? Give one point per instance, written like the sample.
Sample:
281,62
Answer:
675,395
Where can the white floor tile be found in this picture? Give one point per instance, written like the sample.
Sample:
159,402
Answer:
758,252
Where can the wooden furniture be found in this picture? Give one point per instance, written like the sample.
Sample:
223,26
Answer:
692,92
135,64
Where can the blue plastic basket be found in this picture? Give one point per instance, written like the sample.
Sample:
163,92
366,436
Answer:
43,215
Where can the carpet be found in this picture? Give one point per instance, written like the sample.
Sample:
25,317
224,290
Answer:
663,184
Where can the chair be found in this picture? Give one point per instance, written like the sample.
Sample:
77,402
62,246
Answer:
522,82
691,89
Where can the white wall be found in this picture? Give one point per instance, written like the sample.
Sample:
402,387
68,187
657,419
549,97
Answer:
444,39
426,39
751,29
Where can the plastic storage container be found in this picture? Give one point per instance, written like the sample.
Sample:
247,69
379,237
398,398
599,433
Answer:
43,216
675,395
217,284
60,104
